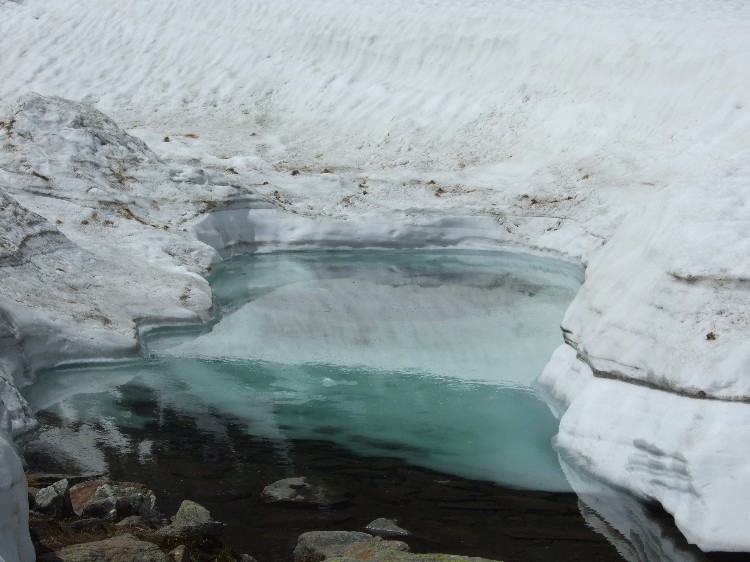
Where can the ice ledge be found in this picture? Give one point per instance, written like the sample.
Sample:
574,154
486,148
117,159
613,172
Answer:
688,455
651,386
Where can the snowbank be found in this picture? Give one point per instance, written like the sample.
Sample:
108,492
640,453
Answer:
654,371
553,126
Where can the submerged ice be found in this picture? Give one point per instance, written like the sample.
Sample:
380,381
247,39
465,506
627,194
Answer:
462,316
425,356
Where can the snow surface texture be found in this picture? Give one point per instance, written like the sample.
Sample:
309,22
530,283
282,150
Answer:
551,126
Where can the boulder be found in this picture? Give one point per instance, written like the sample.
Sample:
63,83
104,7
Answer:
321,545
303,492
192,520
81,493
346,546
114,502
386,528
116,549
54,500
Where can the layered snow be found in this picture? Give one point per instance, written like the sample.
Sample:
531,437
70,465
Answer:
666,301
687,454
551,126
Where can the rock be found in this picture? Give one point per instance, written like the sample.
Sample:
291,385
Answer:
133,521
89,524
346,546
320,545
54,500
192,520
117,549
247,558
303,492
113,502
386,528
81,494
180,554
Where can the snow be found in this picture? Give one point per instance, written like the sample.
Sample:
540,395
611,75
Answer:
688,454
614,134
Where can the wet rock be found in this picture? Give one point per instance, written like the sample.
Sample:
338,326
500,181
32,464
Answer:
180,554
303,492
114,502
117,549
54,500
386,528
192,520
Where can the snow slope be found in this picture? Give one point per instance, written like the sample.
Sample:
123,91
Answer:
549,126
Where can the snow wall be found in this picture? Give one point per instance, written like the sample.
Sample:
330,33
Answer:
615,133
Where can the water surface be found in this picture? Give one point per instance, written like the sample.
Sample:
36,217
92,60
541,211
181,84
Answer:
422,356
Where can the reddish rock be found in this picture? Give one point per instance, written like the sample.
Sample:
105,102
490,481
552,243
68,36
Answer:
80,494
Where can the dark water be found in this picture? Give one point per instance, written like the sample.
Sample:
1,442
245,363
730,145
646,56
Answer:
444,512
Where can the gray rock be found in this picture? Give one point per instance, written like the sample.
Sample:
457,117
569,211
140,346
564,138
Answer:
117,549
345,546
247,558
114,503
386,528
303,492
192,520
54,500
320,545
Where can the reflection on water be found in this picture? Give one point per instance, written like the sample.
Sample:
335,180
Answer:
475,430
211,458
421,356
